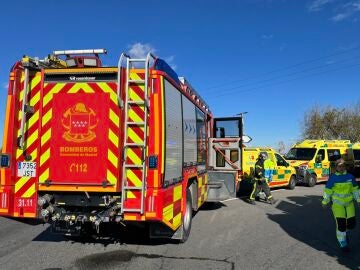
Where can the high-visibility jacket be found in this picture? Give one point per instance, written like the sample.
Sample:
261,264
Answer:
341,189
269,167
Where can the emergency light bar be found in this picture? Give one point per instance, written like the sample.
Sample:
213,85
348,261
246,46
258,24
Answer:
90,51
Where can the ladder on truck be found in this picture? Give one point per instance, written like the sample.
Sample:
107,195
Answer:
129,166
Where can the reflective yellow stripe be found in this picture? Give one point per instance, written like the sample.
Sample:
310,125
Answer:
44,157
46,117
134,117
107,89
113,138
44,176
133,157
133,136
177,220
133,178
45,137
113,159
111,177
28,142
33,119
168,212
177,193
113,117
54,90
29,192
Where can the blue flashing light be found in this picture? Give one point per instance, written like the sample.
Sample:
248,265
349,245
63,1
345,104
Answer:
153,162
5,161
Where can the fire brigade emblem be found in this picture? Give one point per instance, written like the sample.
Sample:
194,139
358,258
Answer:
79,122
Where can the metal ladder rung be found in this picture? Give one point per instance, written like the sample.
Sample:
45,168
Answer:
135,123
136,81
132,188
135,144
133,166
136,102
136,60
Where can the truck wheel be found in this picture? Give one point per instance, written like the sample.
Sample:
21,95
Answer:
312,180
187,220
292,182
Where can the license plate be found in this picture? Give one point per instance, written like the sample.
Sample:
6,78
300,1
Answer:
26,169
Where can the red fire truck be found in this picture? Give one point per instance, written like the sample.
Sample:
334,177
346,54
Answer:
86,145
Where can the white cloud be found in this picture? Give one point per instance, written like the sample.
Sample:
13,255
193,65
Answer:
267,36
140,50
5,85
317,5
347,11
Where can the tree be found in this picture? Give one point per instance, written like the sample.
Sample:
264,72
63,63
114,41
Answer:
330,123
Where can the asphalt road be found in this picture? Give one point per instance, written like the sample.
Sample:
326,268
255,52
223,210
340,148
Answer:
295,233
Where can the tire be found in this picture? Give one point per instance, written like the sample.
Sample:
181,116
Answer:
187,220
312,180
292,182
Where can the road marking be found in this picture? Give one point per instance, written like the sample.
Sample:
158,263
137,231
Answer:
231,199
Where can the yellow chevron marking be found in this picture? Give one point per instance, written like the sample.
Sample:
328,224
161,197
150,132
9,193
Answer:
113,159
81,86
113,138
107,89
133,136
46,117
134,117
29,192
33,119
45,137
114,118
177,220
44,176
177,193
33,83
134,96
28,142
134,157
130,195
110,177
168,212
134,76
131,176
54,90
35,99
45,156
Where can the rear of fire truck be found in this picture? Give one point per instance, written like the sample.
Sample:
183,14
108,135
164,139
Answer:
86,145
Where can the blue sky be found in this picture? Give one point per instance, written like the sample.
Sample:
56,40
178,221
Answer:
272,59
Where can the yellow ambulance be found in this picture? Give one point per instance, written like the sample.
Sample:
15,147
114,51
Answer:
284,175
356,150
314,160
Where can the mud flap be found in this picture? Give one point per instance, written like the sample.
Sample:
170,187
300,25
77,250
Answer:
222,185
161,231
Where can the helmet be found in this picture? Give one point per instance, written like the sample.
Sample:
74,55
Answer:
263,155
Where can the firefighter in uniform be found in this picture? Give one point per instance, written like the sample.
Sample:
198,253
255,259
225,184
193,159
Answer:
342,189
262,175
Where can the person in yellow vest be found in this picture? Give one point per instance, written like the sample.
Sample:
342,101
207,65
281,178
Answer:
263,174
341,189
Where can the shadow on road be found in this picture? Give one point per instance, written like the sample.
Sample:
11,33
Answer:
304,219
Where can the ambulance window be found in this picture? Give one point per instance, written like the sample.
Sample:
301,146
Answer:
321,154
234,155
220,160
356,154
333,154
279,160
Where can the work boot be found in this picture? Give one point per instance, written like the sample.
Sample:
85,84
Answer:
271,201
251,201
